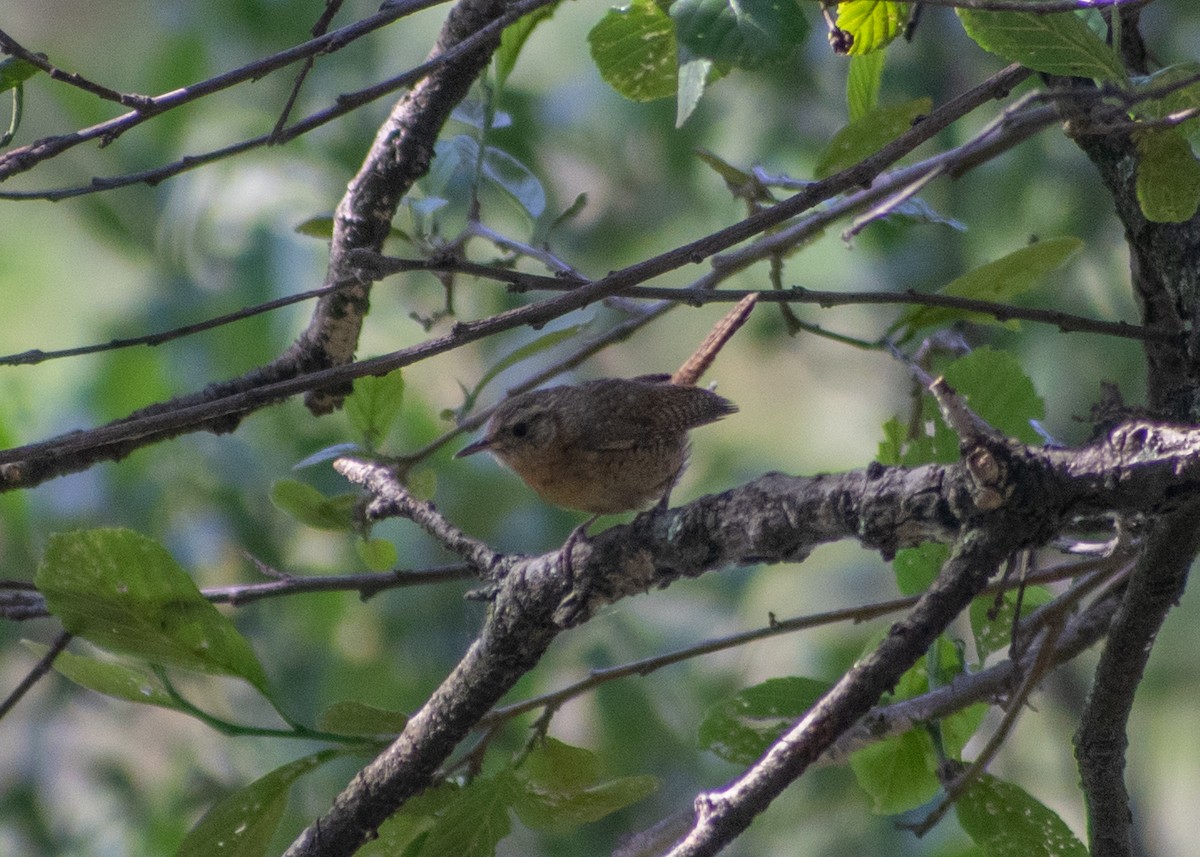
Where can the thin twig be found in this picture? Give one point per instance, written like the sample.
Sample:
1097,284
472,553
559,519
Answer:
40,669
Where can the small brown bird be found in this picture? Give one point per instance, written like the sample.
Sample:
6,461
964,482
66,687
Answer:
603,446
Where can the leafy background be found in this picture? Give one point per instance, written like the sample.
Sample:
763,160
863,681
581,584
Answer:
84,774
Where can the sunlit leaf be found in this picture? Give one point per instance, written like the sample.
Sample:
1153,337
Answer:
376,554
125,593
998,281
994,633
1054,44
996,388
634,49
14,72
872,23
916,568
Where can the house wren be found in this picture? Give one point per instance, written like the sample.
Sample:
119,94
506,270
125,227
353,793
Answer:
612,445
603,446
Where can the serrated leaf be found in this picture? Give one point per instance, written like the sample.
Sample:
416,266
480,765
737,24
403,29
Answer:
741,728
513,39
1005,821
474,821
869,134
998,281
634,50
1055,43
995,634
997,389
241,824
358,718
897,773
863,82
376,554
14,72
125,593
119,681
1168,176
872,23
373,407
515,179
312,508
744,34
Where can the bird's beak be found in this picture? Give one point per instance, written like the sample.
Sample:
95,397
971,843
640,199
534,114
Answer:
478,446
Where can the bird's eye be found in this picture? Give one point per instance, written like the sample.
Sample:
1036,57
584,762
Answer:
520,429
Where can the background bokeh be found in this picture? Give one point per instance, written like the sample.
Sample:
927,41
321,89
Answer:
84,775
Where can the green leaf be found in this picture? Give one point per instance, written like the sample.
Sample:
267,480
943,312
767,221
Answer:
994,634
515,179
241,824
474,821
14,72
513,39
872,23
322,227
863,82
403,834
562,789
1184,98
312,508
524,352
745,34
915,568
376,554
358,718
869,134
125,593
1168,176
997,281
693,78
373,407
960,727
1005,821
634,49
1054,44
997,389
897,773
119,681
741,729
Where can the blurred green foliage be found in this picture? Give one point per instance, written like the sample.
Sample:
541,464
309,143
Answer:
82,774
